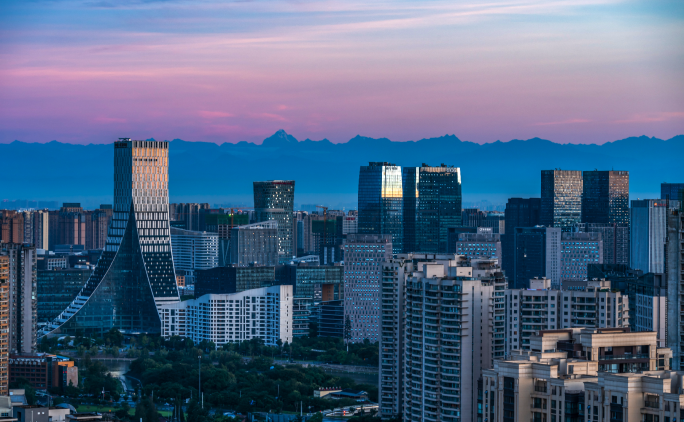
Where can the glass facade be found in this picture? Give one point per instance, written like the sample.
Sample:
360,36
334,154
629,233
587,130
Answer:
57,288
274,200
135,273
674,191
381,202
605,197
432,204
561,198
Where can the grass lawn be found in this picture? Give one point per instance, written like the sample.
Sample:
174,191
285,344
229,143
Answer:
100,409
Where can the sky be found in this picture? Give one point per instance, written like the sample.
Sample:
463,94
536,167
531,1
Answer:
584,71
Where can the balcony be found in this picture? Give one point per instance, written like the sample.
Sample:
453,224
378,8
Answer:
624,357
653,404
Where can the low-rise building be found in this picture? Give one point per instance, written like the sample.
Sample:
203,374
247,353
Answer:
43,371
583,374
264,313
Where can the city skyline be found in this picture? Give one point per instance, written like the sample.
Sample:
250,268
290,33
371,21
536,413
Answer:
589,71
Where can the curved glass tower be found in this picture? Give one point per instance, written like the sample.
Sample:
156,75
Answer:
135,274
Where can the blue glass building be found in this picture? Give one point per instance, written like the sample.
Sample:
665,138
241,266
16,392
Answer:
381,202
432,204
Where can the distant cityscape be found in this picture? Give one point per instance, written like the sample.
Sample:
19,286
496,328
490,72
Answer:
562,307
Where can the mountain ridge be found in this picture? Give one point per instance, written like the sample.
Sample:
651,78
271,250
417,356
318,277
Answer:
325,171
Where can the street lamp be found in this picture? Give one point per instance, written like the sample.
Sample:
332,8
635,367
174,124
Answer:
199,391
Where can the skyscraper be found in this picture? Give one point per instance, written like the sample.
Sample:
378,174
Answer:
672,191
537,254
364,256
647,237
4,324
520,212
97,223
561,198
135,274
605,197
381,202
432,204
274,200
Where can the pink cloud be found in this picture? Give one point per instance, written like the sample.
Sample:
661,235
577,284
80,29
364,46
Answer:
214,114
563,122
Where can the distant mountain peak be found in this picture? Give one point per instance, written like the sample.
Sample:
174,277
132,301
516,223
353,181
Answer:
280,138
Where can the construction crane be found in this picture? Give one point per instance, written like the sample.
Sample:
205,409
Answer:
325,220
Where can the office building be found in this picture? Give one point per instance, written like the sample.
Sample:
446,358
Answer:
672,191
381,201
264,313
44,371
647,239
222,280
364,256
578,250
674,280
479,246
187,215
520,212
22,297
615,238
537,253
4,323
647,295
135,273
454,330
330,318
474,217
432,204
193,251
274,200
255,243
97,224
315,283
583,375
561,198
57,288
350,224
541,307
605,197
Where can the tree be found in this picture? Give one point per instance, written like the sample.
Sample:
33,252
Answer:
147,411
196,413
347,330
30,392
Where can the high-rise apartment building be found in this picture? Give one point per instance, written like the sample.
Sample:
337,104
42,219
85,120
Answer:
22,297
432,204
364,256
222,280
71,225
135,273
41,229
4,324
520,212
187,213
380,201
274,200
11,226
454,330
537,253
393,324
585,304
674,279
672,191
264,313
97,224
647,236
605,197
615,238
561,198
578,250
